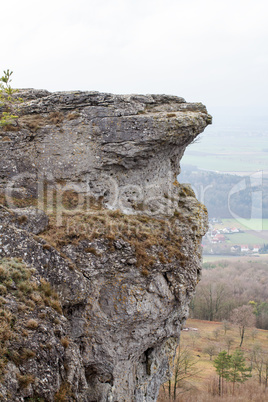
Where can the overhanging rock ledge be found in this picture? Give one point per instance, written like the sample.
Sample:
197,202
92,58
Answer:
122,248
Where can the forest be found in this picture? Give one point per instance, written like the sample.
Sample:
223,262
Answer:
228,285
227,194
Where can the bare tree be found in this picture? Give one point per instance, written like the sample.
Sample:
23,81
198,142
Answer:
265,360
243,317
216,333
184,369
254,333
222,290
257,360
194,336
211,350
214,296
226,326
228,342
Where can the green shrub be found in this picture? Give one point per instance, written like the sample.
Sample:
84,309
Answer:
7,118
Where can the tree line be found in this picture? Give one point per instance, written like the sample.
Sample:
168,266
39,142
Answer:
226,286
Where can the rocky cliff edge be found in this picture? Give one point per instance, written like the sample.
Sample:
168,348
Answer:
100,245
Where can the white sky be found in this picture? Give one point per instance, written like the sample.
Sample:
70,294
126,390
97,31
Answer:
214,51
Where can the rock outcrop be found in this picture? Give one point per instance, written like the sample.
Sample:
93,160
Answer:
108,281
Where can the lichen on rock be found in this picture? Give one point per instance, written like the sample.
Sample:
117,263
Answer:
119,242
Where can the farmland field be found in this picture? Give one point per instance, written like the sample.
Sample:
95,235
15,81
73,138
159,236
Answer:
242,258
251,238
222,149
206,331
255,231
244,224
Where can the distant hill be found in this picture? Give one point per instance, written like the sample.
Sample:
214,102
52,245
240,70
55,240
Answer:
227,194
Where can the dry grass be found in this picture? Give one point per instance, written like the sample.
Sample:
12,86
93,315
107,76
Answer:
204,386
247,392
22,219
72,115
9,127
16,282
153,240
25,380
64,393
27,201
56,117
32,324
5,138
65,342
32,122
91,221
2,199
171,115
92,250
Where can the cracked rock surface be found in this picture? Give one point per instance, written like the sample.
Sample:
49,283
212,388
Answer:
112,232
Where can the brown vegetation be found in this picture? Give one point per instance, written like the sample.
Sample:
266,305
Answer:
32,122
244,318
56,117
64,393
65,342
142,232
22,219
29,295
25,380
72,115
227,285
202,383
171,115
32,324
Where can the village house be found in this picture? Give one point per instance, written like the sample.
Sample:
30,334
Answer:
219,238
235,230
244,248
235,249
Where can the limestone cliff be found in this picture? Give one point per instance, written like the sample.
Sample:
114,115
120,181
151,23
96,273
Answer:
93,301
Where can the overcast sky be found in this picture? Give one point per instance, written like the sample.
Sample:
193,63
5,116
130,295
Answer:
214,51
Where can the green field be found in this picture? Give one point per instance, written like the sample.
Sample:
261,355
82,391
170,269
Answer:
255,231
228,151
226,163
244,224
220,163
245,238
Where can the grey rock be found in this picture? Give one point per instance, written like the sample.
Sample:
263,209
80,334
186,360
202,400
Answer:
30,219
125,149
124,259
